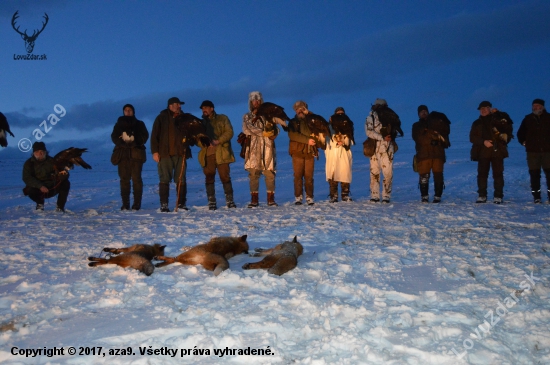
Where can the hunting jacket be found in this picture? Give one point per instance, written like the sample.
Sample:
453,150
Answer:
490,128
136,149
299,136
39,173
534,132
373,129
427,135
218,128
261,153
161,136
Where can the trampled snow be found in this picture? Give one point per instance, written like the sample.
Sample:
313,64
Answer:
404,283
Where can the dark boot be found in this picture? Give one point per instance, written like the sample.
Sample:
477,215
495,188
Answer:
439,185
211,195
346,193
270,199
535,184
137,200
254,200
182,197
424,184
164,192
125,195
228,190
333,191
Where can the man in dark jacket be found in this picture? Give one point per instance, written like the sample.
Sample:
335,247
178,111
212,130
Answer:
490,135
534,134
301,149
170,152
431,137
129,136
218,155
41,180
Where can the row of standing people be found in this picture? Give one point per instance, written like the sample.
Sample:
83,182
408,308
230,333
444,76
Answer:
489,136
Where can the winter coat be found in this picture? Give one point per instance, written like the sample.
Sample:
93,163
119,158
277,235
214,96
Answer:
161,136
373,129
490,128
338,159
134,150
39,173
534,132
261,153
299,136
218,128
431,137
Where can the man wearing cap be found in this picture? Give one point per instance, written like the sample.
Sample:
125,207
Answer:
260,155
41,180
170,152
534,134
338,161
218,155
382,159
129,136
300,148
431,137
489,136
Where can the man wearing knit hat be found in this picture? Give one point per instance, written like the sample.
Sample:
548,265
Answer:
41,181
431,137
534,134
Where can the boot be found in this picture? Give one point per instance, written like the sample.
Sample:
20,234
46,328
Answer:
182,197
346,193
228,190
270,199
254,200
424,185
137,201
125,203
211,194
438,187
164,192
333,191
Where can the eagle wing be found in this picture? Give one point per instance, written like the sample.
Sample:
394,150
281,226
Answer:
273,113
318,126
4,127
193,130
66,159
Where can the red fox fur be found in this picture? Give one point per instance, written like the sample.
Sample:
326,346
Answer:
212,255
280,259
137,257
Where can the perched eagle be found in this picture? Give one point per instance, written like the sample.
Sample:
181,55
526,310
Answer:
319,128
4,127
272,114
66,159
192,129
342,125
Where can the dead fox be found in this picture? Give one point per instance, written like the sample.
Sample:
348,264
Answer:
279,259
212,255
138,257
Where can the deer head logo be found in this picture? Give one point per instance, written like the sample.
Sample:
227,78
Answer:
29,40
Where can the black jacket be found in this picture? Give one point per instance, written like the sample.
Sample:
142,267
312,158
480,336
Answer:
534,132
132,150
492,127
431,136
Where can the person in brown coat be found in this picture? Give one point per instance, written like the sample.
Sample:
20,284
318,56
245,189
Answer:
431,137
534,134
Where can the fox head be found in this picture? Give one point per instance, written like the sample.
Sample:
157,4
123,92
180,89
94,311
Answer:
297,245
244,244
159,250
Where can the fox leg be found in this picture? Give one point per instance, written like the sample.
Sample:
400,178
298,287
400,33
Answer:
283,265
214,262
266,263
166,261
116,251
96,261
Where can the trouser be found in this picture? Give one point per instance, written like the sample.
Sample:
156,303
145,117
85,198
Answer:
254,179
536,162
303,173
210,177
170,168
38,197
483,167
424,168
333,188
381,162
130,170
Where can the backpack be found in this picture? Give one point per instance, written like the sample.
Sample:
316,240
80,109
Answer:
391,124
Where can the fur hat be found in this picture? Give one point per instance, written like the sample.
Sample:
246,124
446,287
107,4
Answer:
207,103
538,101
484,104
422,107
173,100
339,109
254,95
38,146
299,105
380,102
129,106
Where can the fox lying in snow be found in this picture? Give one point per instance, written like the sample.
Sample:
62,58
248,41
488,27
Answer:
212,255
279,259
138,257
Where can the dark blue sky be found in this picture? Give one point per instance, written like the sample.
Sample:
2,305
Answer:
449,55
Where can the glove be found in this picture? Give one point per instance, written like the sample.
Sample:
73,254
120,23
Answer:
504,137
268,133
126,138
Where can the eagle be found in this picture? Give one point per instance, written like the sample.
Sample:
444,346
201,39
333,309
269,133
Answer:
192,129
319,128
342,125
4,127
66,159
272,114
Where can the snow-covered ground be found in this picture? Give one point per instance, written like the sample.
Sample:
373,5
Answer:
404,283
